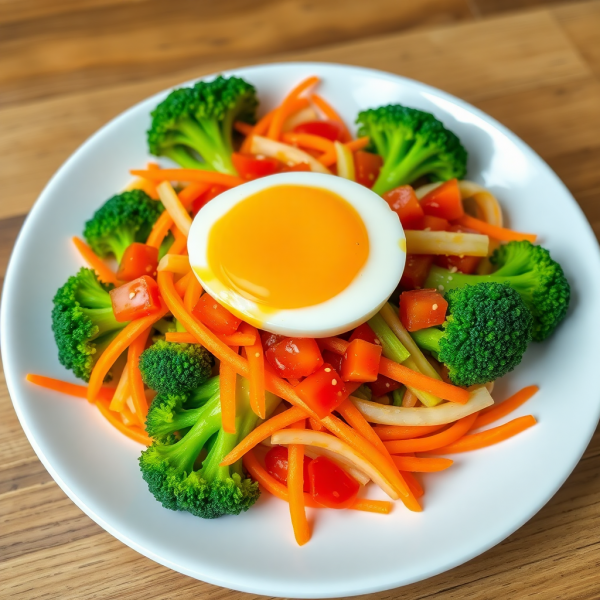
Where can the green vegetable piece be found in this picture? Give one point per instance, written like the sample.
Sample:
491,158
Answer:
391,345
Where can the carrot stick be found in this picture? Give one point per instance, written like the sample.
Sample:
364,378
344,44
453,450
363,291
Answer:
425,444
295,485
192,192
96,263
399,432
498,233
331,157
180,243
409,399
497,411
332,114
285,108
243,128
269,483
227,386
421,465
315,425
122,392
213,344
305,140
260,128
262,432
192,294
135,377
234,339
489,437
182,285
119,344
71,389
415,487
159,230
191,175
405,375
256,362
135,433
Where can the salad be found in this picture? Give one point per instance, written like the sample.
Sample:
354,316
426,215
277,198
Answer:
227,401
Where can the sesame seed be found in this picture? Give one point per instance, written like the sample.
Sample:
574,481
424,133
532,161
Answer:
435,307
377,341
453,270
257,354
441,288
334,382
434,204
387,385
215,306
131,295
427,229
327,370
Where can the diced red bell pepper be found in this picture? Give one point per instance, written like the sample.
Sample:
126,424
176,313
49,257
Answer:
366,167
460,264
322,391
333,359
364,332
361,361
205,198
294,357
215,316
135,299
444,201
384,385
138,259
330,130
431,223
422,308
416,270
270,339
276,463
250,167
403,201
330,485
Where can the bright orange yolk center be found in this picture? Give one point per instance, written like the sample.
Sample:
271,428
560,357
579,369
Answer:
289,246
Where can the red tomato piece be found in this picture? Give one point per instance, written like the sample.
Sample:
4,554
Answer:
276,463
215,316
138,259
205,198
422,308
361,361
384,385
460,264
135,299
404,202
364,332
250,167
323,391
294,357
431,223
444,201
330,130
330,485
333,359
416,270
366,167
270,339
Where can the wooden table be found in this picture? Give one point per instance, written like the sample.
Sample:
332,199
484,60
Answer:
66,67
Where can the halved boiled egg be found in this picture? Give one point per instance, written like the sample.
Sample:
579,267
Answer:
299,254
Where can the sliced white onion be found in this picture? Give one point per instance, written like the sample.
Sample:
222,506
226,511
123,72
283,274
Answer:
173,206
449,243
285,153
302,116
329,442
345,161
441,414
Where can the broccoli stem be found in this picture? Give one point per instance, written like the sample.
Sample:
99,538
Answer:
183,158
392,346
428,339
205,392
398,396
103,319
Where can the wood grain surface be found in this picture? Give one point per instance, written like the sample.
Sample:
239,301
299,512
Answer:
67,66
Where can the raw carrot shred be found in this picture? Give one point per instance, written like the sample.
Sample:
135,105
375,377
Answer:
405,432
234,339
135,377
96,263
305,140
227,386
71,389
260,128
295,484
330,158
421,465
180,243
331,114
501,234
413,484
256,363
315,425
192,192
409,399
192,293
122,392
497,411
182,285
135,433
190,175
243,128
159,230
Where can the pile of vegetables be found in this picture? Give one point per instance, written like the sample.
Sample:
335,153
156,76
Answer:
226,410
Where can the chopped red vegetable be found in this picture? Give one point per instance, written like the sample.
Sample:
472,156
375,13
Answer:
323,390
270,339
215,316
460,264
364,332
138,259
335,360
135,299
422,308
432,223
444,201
404,202
416,270
383,385
366,167
302,167
205,198
361,361
294,357
330,130
276,464
330,485
250,167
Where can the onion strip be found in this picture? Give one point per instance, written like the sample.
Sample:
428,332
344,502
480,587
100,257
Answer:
285,153
449,243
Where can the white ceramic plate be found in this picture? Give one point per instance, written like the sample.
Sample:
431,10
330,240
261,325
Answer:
471,507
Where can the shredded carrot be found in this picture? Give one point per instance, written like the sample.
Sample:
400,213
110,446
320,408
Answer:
243,128
71,389
413,483
498,233
227,386
489,437
262,432
295,485
256,362
405,432
260,128
192,294
119,344
269,483
96,263
409,399
182,285
135,377
234,339
421,465
192,192
331,157
215,346
180,243
315,425
159,230
190,175
175,263
497,411
283,111
305,140
174,207
331,114
122,392
438,440
404,375
135,433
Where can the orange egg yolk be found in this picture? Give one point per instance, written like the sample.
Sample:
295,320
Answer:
288,246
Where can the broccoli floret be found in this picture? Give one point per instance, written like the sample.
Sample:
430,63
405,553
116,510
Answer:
211,491
123,219
529,270
194,126
83,322
485,335
172,368
412,144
